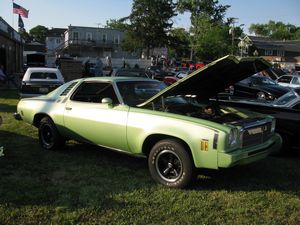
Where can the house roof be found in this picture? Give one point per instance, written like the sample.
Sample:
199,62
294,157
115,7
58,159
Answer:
56,32
267,43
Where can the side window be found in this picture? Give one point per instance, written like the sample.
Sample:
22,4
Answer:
297,106
94,92
285,79
296,80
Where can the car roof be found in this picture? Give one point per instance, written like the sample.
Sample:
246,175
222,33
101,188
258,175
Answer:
46,69
116,79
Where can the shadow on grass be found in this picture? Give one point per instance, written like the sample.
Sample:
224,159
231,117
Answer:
80,175
9,94
281,173
7,108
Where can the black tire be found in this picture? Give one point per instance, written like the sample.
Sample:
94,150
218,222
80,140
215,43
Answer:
49,137
170,164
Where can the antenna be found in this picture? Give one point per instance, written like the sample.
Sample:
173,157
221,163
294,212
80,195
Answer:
99,24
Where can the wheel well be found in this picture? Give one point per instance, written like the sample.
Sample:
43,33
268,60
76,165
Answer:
37,119
153,139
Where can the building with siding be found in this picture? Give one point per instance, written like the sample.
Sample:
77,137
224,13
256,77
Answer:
11,49
285,52
92,42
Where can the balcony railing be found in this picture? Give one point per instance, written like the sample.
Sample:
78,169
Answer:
91,43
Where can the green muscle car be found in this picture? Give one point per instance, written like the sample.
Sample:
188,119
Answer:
177,128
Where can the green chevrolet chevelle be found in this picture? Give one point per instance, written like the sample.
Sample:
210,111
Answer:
177,128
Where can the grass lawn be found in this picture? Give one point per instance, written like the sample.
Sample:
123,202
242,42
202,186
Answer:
83,184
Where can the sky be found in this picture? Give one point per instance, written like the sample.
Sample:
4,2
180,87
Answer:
95,13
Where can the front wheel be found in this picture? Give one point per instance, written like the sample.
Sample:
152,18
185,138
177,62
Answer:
49,137
170,164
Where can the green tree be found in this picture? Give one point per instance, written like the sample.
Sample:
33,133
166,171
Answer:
150,22
210,38
210,9
275,30
24,35
210,41
179,45
130,42
118,24
39,33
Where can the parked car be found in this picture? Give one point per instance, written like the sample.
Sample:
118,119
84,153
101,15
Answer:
285,109
168,80
142,117
156,72
289,80
40,81
129,72
258,87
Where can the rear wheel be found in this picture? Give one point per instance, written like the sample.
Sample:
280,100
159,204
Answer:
170,164
49,137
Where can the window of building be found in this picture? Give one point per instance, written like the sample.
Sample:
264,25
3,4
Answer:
75,35
104,38
280,53
117,39
57,40
268,52
89,36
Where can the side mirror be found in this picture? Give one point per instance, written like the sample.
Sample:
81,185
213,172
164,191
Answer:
107,101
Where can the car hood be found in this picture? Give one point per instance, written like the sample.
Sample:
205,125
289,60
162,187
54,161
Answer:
214,77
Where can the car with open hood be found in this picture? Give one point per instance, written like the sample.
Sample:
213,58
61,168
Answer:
285,109
175,127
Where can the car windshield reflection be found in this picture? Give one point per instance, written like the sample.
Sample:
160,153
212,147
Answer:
136,92
285,98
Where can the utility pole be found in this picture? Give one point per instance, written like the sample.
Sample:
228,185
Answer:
231,31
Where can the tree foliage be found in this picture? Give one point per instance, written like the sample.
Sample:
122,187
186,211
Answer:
210,37
210,41
210,9
38,33
150,22
276,30
179,43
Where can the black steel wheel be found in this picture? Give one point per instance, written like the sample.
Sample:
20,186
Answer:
170,164
49,137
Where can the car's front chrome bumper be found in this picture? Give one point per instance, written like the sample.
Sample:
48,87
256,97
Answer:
244,157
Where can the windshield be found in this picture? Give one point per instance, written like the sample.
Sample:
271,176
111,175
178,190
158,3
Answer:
285,98
136,92
260,80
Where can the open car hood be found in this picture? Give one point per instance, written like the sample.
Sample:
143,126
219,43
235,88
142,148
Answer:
214,77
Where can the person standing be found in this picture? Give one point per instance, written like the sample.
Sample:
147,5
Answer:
2,74
98,67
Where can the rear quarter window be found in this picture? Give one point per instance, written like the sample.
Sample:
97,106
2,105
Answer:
42,75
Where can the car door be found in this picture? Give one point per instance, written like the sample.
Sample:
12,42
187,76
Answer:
90,120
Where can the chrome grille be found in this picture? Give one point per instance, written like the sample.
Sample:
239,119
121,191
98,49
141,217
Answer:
256,135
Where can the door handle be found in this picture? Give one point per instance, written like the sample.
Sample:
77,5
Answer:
68,108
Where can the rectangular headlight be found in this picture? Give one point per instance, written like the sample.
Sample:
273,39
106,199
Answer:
233,137
273,125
